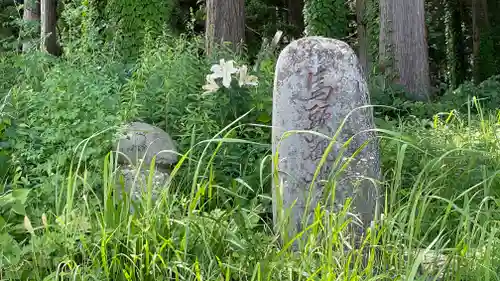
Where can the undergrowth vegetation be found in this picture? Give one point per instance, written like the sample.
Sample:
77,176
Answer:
60,220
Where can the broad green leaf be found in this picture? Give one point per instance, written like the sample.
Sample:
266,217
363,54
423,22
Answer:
264,117
18,208
10,252
21,194
6,199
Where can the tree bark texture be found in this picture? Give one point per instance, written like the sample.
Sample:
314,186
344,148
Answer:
31,15
403,46
225,23
480,41
295,17
48,26
456,56
363,45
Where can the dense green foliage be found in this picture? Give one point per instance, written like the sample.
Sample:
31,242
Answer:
327,18
127,61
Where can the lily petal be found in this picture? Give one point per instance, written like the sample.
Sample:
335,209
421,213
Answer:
210,89
228,70
211,85
216,71
252,80
243,75
246,79
229,65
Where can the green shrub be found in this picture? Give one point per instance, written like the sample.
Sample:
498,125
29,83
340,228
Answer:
460,99
10,28
129,23
166,90
6,133
58,105
119,28
327,18
486,92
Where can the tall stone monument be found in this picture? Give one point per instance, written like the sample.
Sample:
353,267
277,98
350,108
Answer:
318,82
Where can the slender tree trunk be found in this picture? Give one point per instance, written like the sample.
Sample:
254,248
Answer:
363,48
225,23
493,11
31,15
435,13
476,42
484,13
295,17
481,45
456,56
403,45
48,26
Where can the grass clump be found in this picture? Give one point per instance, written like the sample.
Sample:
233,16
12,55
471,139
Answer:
61,220
180,237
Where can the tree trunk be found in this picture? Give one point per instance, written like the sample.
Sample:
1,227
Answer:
295,17
225,23
403,46
363,45
31,15
493,11
456,56
436,23
482,51
476,42
48,27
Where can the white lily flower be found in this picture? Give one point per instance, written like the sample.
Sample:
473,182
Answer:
246,79
211,85
224,70
216,69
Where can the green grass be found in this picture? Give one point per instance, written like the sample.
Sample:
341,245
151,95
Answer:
93,236
60,220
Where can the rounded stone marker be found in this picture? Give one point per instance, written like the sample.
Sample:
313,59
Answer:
318,82
144,140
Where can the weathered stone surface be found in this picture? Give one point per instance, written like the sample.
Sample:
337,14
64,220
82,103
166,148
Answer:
318,81
143,140
135,186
